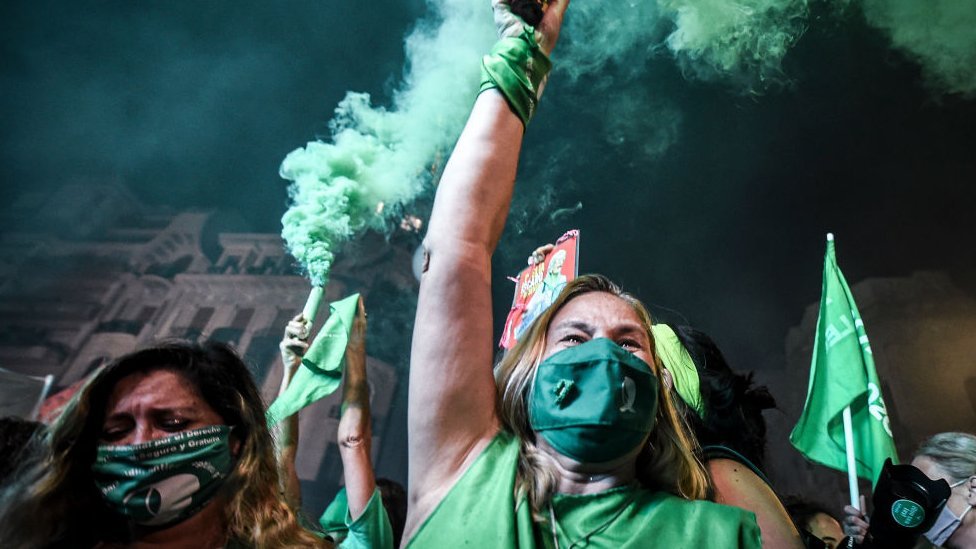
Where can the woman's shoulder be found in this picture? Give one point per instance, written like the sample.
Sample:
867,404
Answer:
671,503
694,523
485,488
738,484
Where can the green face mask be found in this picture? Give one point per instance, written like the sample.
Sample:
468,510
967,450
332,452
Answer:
166,480
593,402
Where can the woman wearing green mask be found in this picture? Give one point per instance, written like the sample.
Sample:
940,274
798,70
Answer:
571,442
165,447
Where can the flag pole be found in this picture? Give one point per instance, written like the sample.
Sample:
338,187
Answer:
851,465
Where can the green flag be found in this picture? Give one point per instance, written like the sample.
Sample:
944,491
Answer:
321,370
842,374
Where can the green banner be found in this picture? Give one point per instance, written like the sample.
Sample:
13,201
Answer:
321,370
842,374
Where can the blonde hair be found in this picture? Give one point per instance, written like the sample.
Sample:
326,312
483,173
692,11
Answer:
57,500
667,462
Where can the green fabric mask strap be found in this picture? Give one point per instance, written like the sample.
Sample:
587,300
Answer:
518,68
679,363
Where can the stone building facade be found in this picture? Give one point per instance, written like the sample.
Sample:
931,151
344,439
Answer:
90,273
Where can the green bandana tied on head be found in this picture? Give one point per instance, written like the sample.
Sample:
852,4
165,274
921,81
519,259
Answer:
166,480
678,362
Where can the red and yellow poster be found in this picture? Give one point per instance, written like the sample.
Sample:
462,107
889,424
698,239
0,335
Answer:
537,286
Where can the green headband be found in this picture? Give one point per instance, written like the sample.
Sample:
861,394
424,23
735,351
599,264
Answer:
676,359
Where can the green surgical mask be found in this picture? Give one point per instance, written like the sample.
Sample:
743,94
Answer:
166,480
593,402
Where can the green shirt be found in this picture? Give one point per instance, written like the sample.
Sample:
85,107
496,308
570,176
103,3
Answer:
371,530
480,511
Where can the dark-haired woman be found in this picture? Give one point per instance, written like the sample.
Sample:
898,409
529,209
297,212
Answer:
725,413
165,447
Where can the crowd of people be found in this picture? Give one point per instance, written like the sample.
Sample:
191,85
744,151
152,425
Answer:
599,428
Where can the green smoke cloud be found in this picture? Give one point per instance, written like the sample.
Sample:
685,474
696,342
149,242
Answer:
598,33
744,40
738,41
378,158
940,35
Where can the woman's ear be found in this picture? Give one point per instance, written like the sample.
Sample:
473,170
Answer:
235,445
971,495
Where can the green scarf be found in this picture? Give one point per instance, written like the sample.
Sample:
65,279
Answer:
678,362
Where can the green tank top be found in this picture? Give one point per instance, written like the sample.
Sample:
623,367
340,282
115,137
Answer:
480,511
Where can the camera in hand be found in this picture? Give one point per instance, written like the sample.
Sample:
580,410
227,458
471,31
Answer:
906,504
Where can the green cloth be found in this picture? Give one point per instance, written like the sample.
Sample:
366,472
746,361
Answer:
333,519
518,68
842,374
321,370
480,510
371,530
676,359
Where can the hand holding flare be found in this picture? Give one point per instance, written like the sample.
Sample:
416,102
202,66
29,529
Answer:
321,366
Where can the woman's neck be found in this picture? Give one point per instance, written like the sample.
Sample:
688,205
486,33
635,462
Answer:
206,529
588,478
965,535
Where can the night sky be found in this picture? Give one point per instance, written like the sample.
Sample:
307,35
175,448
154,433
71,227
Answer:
707,199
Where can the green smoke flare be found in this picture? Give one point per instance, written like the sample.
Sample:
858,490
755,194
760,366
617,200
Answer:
378,158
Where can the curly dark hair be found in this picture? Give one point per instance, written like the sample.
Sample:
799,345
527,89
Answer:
803,510
733,404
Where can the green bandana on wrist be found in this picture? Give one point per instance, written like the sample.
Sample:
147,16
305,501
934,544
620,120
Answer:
518,68
166,480
676,359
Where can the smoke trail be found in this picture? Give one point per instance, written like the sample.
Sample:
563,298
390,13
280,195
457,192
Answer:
598,33
377,159
743,40
938,34
642,122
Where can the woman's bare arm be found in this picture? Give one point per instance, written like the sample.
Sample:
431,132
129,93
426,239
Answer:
736,485
293,347
355,433
452,391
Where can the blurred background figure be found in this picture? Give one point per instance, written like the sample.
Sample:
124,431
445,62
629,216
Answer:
816,519
950,457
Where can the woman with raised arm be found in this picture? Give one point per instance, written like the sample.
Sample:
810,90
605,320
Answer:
365,520
571,441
